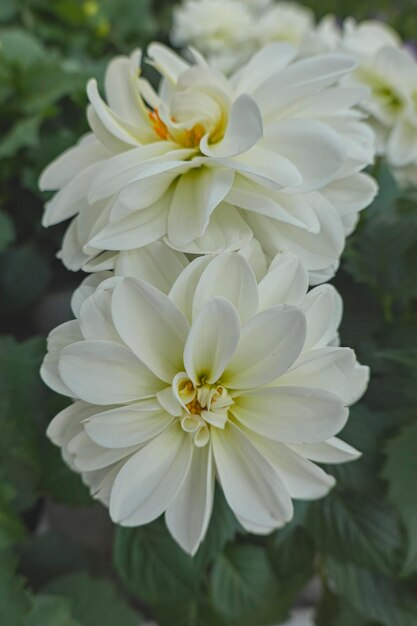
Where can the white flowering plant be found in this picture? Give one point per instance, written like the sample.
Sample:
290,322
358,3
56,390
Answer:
223,431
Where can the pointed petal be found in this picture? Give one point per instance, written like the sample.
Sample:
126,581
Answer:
291,414
151,325
251,486
126,426
230,276
104,372
212,340
188,516
148,483
269,345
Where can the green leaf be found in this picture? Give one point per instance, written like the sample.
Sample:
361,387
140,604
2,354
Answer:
335,611
93,601
24,134
7,233
49,611
19,48
401,473
241,581
195,611
15,600
152,566
292,558
375,596
22,414
12,529
223,527
360,530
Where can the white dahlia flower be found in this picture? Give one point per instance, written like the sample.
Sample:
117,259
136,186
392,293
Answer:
225,378
219,29
285,21
276,152
388,69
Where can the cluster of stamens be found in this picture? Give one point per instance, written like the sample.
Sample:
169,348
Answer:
204,406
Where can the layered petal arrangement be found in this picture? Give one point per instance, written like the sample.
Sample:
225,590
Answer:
205,164
226,373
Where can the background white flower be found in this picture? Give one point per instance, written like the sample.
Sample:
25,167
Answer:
225,377
276,152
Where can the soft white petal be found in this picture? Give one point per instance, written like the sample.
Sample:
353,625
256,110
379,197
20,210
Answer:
230,276
333,450
302,479
212,341
226,231
88,456
243,131
182,292
104,372
291,414
267,62
147,484
323,309
151,325
166,61
188,515
127,425
285,283
68,422
269,344
95,317
251,486
197,194
156,264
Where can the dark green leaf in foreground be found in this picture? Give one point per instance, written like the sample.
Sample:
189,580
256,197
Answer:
15,601
242,581
359,530
93,601
401,473
378,598
50,611
152,566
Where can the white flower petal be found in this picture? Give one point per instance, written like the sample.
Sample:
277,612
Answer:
151,325
230,276
285,283
156,264
251,486
87,456
226,231
95,317
68,422
127,426
302,479
243,131
122,93
148,483
196,195
62,336
188,515
104,372
270,60
136,230
182,292
212,341
323,309
291,414
333,450
167,62
269,344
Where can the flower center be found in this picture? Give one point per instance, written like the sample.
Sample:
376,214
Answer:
189,138
205,407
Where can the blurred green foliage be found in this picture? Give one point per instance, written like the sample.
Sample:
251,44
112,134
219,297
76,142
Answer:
360,541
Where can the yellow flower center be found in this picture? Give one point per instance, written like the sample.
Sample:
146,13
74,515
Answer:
205,407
